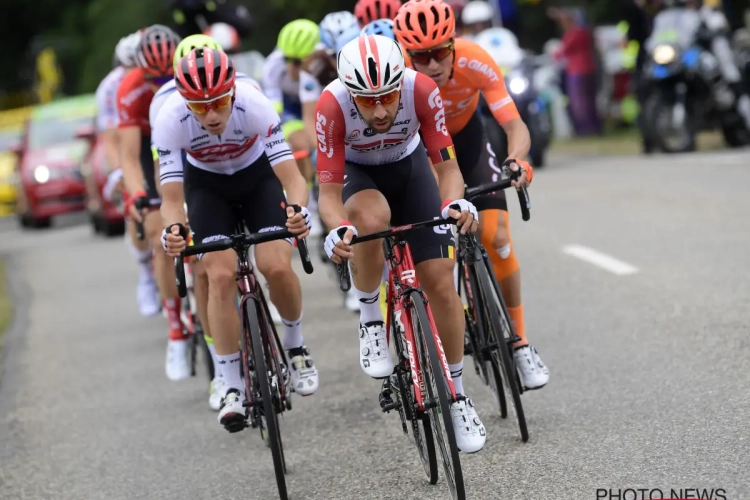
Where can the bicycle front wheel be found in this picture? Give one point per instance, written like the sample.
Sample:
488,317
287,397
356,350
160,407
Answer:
438,397
499,356
264,373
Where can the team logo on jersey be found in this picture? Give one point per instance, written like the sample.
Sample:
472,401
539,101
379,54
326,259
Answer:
163,152
199,138
309,86
353,136
274,129
369,132
221,152
237,131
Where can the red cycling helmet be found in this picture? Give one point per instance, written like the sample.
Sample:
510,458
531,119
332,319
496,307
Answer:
204,74
156,51
368,11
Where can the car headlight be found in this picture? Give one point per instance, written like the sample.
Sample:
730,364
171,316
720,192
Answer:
518,85
664,54
41,174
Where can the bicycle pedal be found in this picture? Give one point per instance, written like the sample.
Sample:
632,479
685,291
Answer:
236,427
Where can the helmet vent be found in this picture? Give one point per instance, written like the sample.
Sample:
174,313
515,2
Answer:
360,80
372,69
387,73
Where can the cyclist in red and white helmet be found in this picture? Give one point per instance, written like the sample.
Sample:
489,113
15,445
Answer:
107,120
370,121
236,155
154,58
368,11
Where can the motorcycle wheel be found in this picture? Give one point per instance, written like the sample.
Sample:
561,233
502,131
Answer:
670,139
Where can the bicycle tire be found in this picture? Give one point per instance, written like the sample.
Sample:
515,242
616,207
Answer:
471,325
505,361
423,438
490,373
437,389
273,435
205,351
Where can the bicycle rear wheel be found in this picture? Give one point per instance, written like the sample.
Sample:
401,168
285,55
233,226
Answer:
476,322
437,397
264,376
499,337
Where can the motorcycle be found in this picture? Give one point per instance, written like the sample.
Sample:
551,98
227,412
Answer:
519,69
686,95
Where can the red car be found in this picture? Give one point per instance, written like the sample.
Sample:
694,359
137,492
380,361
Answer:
106,215
53,148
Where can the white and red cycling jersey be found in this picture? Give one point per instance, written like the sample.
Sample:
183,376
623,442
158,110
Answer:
107,116
254,129
343,135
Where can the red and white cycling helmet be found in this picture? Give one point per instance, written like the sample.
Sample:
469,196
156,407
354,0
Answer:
371,65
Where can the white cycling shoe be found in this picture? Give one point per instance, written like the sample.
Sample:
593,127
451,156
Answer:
470,432
303,371
177,365
375,357
216,390
232,411
534,373
147,293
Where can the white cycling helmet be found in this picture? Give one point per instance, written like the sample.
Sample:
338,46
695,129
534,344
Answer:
477,11
371,65
126,50
333,25
225,35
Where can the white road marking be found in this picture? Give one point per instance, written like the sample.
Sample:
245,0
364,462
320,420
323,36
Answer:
600,259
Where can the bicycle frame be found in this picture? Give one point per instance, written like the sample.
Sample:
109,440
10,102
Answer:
402,278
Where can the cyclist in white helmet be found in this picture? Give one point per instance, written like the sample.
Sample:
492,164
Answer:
107,120
333,25
477,16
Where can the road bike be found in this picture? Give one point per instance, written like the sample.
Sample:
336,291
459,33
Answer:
263,361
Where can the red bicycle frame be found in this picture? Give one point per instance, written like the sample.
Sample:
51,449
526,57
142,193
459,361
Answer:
402,276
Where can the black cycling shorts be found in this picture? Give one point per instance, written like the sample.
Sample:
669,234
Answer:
478,163
409,187
254,192
147,167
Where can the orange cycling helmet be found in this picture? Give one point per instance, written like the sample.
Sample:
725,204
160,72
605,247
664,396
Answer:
367,11
424,24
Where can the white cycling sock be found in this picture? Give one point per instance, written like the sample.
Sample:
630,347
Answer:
369,306
293,333
228,367
214,356
457,372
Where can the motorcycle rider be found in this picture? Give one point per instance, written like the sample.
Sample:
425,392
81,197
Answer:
194,16
250,62
691,20
476,17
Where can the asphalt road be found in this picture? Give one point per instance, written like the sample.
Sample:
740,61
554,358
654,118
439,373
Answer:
650,362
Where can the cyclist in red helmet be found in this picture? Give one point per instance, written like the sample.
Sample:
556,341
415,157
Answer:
236,155
154,61
368,11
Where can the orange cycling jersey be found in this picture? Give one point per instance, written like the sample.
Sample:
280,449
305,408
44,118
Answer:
474,71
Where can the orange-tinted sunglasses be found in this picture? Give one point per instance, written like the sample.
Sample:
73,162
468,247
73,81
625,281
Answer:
370,101
203,107
424,57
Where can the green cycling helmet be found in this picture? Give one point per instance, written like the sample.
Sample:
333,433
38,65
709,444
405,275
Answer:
299,38
193,42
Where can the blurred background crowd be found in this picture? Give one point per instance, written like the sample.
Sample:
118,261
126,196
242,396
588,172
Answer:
661,70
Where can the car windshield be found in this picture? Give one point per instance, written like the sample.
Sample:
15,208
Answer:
9,138
45,133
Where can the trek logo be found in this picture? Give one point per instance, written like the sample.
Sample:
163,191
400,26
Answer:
163,152
436,101
222,152
273,129
322,145
478,66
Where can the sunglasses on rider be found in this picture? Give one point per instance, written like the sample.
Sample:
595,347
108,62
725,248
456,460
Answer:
203,107
370,101
293,60
424,57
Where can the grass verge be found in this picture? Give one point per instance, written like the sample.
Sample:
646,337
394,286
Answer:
5,309
627,142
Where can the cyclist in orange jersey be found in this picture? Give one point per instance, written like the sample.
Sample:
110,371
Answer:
462,69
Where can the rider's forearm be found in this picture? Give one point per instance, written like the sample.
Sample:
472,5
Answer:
173,204
111,153
331,207
519,139
450,180
297,192
130,151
